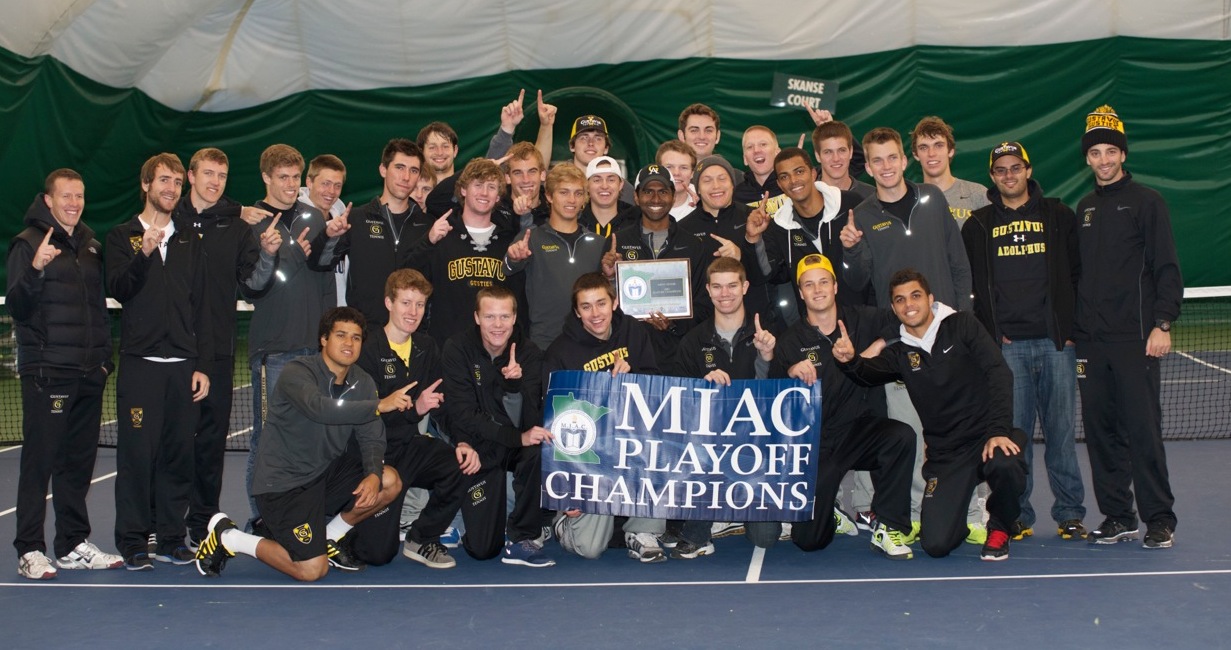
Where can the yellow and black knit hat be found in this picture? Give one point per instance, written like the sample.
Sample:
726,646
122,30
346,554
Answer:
1103,126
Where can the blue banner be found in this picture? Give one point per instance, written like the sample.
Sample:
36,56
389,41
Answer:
677,448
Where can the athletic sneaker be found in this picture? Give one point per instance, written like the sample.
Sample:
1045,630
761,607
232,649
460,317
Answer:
139,562
35,566
430,554
88,556
891,543
1021,531
913,535
1111,532
1071,529
976,534
722,529
686,550
211,554
1158,535
452,538
179,556
341,557
670,539
997,546
865,520
526,553
193,542
644,547
843,524
784,535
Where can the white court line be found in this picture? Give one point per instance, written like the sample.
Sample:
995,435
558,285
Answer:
92,482
1204,363
754,567
694,583
10,448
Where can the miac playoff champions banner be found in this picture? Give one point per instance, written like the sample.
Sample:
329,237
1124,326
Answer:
677,448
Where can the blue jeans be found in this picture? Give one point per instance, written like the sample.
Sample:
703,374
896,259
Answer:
265,373
1045,384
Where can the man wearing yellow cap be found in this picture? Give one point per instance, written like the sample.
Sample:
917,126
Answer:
1127,297
852,438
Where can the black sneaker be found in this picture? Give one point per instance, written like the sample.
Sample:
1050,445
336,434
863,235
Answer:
139,562
996,548
686,550
178,556
1111,532
1158,535
342,557
211,554
1020,531
1071,529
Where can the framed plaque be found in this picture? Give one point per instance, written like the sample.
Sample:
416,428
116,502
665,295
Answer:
652,286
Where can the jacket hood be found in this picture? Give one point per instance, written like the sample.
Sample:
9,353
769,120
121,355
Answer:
38,216
785,216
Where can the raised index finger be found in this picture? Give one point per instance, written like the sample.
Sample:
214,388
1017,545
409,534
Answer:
613,243
409,386
512,353
47,237
273,225
842,328
521,96
756,320
304,234
764,201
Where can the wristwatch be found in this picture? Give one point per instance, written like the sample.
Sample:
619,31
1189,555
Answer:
1164,325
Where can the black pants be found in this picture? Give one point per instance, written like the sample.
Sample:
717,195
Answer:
422,462
884,447
950,482
1123,421
209,448
153,454
60,419
484,496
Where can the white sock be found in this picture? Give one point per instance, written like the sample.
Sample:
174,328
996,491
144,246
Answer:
237,541
337,528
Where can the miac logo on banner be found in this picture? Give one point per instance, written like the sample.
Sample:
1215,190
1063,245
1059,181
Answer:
678,448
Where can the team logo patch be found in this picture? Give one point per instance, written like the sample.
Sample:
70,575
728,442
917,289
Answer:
709,357
1081,368
931,487
478,494
57,403
882,225
135,241
632,255
575,429
812,356
303,533
389,369
914,359
377,230
138,416
799,239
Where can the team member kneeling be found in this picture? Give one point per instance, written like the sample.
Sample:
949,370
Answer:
598,337
304,472
963,391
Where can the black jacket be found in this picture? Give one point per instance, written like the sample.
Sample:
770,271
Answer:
702,350
60,314
962,389
577,349
232,257
390,374
842,400
475,391
376,245
1063,261
166,312
1130,274
626,215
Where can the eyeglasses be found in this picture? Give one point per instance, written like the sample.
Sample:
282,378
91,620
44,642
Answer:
1001,172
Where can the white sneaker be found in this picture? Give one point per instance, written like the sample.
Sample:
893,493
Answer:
722,529
785,534
89,556
35,566
644,547
892,543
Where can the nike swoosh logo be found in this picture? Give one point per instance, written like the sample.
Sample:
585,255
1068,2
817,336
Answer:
946,350
1123,207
